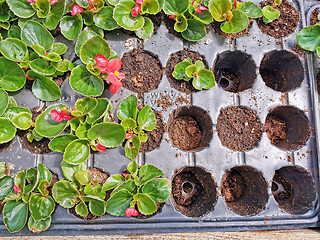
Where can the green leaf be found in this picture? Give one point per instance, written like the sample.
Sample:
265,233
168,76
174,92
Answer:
82,81
15,215
113,182
21,8
119,202
195,31
44,173
132,147
128,185
191,71
82,3
7,130
97,207
145,204
128,108
219,9
71,26
65,194
14,49
108,134
42,67
270,13
45,125
99,111
238,22
83,177
95,190
199,64
41,207
87,17
62,66
77,152
54,57
146,173
69,170
205,17
146,31
42,187
82,209
92,47
318,51
122,15
59,48
43,7
204,80
150,7
20,179
82,130
129,124
86,105
133,168
4,101
44,88
12,102
53,18
104,19
34,33
32,178
175,7
4,12
309,38
147,119
84,36
6,186
158,189
4,169
180,69
12,77
251,9
38,226
22,121
181,23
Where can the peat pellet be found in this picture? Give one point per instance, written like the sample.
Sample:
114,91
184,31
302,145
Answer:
194,191
287,128
293,189
281,70
190,129
282,26
235,71
239,128
244,190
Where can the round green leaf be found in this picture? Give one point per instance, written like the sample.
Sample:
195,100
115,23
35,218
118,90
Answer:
219,9
83,177
191,70
97,207
6,186
104,19
69,170
270,13
129,124
147,119
113,182
45,125
54,57
44,173
52,20
4,12
99,111
41,207
42,67
86,105
82,130
180,70
45,89
77,152
60,143
158,189
65,194
21,8
174,7
13,111
38,226
122,15
145,204
22,120
4,101
128,108
109,134
150,7
309,38
92,47
43,7
14,32
12,77
204,80
205,17
147,30
238,22
71,26
15,215
195,31
146,173
119,202
7,130
181,23
84,36
59,48
82,209
85,83
251,9
132,147
14,49
34,33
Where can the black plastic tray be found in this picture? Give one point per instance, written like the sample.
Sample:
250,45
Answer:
216,158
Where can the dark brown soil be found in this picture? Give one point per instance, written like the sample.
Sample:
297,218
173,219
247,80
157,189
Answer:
284,25
216,26
232,83
194,191
233,187
170,26
56,32
276,129
36,147
239,128
54,180
5,146
314,17
155,136
185,133
176,58
143,71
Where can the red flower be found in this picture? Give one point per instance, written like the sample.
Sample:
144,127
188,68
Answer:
31,1
129,136
136,10
53,2
101,148
172,16
59,116
28,77
124,174
65,115
76,9
16,189
131,212
235,3
200,9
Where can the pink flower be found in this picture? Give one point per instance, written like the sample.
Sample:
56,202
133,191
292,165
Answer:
124,174
131,212
172,16
53,2
59,116
136,10
65,115
91,7
200,9
31,1
16,189
129,136
101,148
235,3
76,9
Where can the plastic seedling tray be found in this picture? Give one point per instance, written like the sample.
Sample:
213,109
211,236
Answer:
215,158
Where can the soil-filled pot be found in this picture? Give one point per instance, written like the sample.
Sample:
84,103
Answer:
194,191
239,128
282,26
235,71
281,70
287,127
294,189
190,128
244,190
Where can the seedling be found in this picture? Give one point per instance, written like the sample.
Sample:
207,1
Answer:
190,16
201,78
139,191
270,13
28,200
12,117
136,123
77,190
75,131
